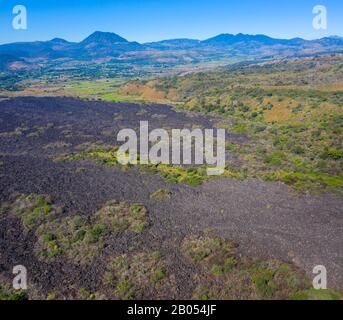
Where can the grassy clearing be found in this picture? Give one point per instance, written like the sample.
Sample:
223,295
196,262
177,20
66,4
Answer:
105,89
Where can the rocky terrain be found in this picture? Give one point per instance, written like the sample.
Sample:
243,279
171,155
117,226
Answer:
86,228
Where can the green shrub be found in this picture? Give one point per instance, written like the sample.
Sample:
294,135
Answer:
264,281
298,150
332,153
275,158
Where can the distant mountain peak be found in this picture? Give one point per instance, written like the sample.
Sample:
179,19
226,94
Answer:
58,40
337,37
103,38
226,39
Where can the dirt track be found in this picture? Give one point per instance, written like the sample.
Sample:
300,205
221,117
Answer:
267,219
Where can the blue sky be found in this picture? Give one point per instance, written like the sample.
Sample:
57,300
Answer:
153,20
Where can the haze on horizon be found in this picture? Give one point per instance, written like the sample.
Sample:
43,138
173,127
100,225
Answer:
155,20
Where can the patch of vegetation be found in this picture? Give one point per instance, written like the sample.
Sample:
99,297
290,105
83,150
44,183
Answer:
57,145
202,249
293,125
104,89
84,294
332,153
72,236
7,294
107,155
306,181
101,154
226,274
39,130
119,216
275,158
133,274
80,238
160,195
33,210
16,133
313,294
193,176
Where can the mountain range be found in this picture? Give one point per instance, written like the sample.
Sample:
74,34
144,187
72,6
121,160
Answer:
105,46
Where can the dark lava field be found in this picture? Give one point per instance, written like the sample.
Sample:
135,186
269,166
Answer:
183,240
